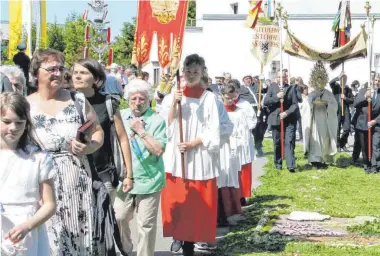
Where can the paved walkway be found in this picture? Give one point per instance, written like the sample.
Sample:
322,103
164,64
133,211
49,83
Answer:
163,244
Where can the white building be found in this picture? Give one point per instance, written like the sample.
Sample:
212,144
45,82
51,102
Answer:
220,36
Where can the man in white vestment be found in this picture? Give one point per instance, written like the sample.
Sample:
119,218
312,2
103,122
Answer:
319,120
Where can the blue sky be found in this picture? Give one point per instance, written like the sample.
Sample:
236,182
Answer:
119,11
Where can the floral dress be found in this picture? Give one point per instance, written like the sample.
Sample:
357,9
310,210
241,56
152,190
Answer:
70,229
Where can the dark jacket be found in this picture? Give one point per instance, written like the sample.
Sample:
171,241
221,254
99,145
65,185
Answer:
215,89
361,105
246,93
23,61
337,91
290,104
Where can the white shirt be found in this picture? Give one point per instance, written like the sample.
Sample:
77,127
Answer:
230,164
248,147
200,119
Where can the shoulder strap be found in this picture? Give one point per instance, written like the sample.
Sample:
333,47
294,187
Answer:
2,82
77,106
109,107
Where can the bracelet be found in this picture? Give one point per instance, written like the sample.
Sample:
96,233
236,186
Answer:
143,134
130,178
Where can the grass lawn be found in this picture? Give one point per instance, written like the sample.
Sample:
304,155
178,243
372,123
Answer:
340,191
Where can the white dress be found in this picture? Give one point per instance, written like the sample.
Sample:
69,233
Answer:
248,153
231,147
20,177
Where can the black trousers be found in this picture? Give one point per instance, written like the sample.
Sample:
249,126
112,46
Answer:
361,145
290,141
344,123
375,161
357,148
258,133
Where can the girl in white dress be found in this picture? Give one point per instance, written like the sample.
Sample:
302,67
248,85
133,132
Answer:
26,184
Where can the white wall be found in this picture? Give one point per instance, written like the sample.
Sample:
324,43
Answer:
292,6
225,45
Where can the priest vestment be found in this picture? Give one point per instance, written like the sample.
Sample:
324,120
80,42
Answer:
320,125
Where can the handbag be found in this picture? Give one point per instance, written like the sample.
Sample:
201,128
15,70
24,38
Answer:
98,188
117,152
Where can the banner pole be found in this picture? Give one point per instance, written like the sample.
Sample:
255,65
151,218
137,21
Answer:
342,85
369,53
260,87
279,9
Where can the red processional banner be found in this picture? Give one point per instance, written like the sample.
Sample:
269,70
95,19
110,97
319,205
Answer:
166,18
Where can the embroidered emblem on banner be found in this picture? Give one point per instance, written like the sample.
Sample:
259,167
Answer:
164,10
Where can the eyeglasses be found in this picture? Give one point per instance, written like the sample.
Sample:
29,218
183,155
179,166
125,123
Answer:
53,70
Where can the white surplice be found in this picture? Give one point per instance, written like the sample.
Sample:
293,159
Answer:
200,119
248,151
320,125
230,150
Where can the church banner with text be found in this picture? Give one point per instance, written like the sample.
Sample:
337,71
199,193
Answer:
265,43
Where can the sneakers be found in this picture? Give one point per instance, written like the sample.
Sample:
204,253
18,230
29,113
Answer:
204,246
260,153
233,220
176,246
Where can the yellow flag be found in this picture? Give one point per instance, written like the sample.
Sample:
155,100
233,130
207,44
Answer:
15,26
43,24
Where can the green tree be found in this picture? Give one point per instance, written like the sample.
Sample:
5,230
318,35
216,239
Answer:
55,34
191,13
73,35
123,43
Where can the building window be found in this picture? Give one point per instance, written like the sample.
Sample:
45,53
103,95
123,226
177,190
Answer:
235,8
275,67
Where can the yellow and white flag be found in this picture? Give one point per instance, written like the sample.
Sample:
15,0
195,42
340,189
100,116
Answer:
27,25
15,26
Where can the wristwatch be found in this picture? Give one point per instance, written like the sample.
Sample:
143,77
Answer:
142,135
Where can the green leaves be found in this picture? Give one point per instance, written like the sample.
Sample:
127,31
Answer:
56,37
73,33
123,43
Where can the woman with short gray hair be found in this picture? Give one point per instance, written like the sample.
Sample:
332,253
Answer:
16,77
146,131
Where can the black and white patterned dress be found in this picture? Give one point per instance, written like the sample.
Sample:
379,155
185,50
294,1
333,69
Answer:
70,229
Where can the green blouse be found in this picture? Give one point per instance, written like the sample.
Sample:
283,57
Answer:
148,169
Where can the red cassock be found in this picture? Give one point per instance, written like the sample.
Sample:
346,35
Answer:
245,180
189,209
231,201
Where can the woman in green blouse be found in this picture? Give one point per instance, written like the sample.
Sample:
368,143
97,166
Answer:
147,137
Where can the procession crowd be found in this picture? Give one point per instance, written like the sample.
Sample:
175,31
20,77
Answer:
76,169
